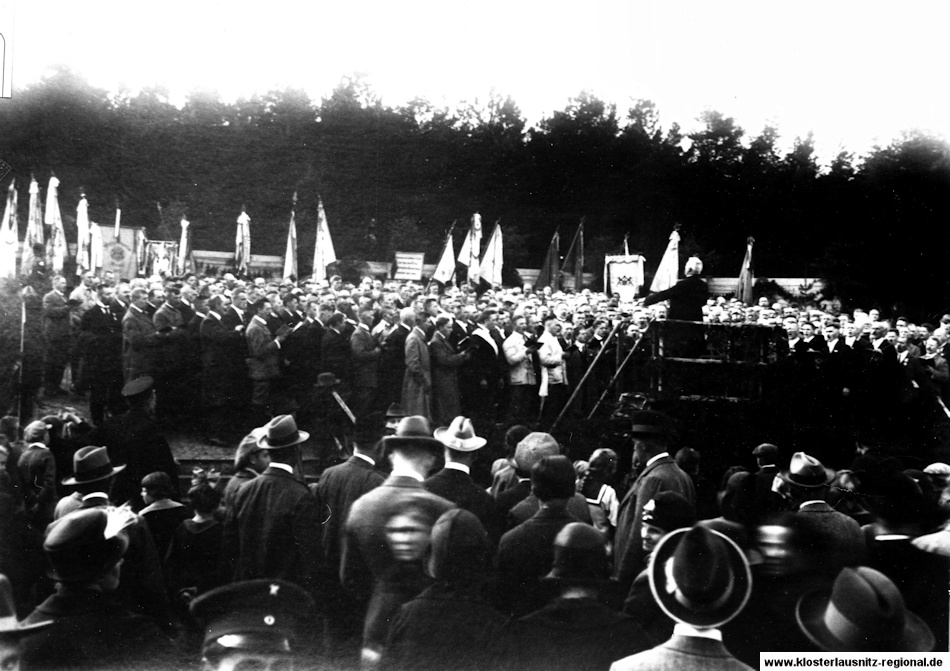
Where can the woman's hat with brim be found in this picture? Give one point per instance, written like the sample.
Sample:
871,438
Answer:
862,612
280,432
90,464
460,436
699,577
10,627
413,431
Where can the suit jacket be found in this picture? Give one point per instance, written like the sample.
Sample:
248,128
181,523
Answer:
530,505
103,354
687,298
339,487
459,488
663,474
525,555
273,531
56,317
417,381
445,384
93,630
263,352
223,369
138,343
683,653
335,354
171,338
365,359
570,634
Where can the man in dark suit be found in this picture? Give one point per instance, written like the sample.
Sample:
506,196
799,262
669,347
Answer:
91,628
37,469
103,356
58,336
273,529
366,354
454,482
387,532
339,487
335,349
222,373
687,297
650,432
526,553
393,361
681,579
138,338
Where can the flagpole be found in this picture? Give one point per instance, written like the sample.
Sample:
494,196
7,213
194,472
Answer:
19,403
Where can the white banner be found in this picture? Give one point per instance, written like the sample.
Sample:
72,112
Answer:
409,266
624,275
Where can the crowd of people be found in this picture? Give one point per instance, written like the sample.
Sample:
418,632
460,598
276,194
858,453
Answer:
400,555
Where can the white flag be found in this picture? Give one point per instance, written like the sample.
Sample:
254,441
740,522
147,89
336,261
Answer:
242,244
183,247
290,252
323,252
446,268
82,235
668,273
8,235
492,259
56,249
468,255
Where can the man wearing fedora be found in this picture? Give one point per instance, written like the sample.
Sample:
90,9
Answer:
651,433
700,579
368,560
339,487
273,530
454,482
90,627
837,537
142,588
574,631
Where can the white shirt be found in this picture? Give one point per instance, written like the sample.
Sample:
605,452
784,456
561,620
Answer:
654,458
458,467
407,473
283,467
362,456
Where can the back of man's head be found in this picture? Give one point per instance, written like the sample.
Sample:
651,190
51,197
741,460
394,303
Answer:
553,478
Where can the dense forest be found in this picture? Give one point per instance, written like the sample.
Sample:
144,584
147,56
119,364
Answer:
397,177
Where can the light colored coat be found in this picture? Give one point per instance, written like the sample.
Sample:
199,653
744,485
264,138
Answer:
521,368
417,381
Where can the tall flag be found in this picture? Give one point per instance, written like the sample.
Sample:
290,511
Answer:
8,235
183,247
550,275
290,253
468,255
323,252
56,249
492,260
83,238
446,268
242,243
96,247
746,276
668,273
34,229
118,217
577,249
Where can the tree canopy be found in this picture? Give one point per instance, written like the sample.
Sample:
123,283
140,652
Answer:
396,177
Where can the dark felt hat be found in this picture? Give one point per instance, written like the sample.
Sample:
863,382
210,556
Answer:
766,451
580,556
280,432
651,423
700,577
806,471
413,431
84,544
369,429
669,510
10,627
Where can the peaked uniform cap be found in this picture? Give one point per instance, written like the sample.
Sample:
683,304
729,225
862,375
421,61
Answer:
460,436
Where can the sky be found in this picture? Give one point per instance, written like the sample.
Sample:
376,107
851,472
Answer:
855,74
